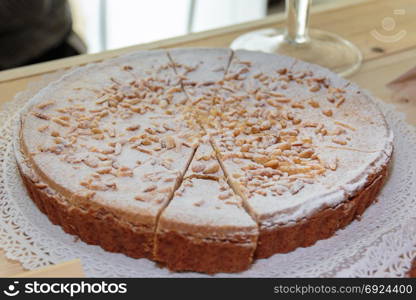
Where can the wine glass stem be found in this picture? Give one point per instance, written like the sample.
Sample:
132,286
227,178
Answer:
297,18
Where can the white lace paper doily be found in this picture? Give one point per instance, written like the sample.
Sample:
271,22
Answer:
382,244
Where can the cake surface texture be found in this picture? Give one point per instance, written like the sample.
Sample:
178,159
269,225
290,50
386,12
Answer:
202,159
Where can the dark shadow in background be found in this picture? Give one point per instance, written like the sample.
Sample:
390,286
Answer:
33,31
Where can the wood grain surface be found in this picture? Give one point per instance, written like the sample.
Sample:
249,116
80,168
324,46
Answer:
354,20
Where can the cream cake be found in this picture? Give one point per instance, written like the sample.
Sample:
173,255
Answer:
202,159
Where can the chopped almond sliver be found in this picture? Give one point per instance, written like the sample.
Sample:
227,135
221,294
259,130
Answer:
272,164
212,168
339,142
43,128
45,104
345,125
283,100
341,101
314,104
41,116
60,122
298,105
327,113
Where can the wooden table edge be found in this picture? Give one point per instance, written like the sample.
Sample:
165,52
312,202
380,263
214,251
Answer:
42,68
72,268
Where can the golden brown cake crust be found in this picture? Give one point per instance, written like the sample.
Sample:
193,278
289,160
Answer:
322,224
184,253
412,272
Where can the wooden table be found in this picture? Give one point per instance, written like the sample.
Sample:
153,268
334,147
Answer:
354,20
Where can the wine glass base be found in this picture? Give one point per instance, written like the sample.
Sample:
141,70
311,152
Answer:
322,48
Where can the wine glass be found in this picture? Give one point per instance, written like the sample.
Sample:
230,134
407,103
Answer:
315,46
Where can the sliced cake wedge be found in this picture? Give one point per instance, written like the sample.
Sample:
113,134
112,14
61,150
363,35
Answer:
205,228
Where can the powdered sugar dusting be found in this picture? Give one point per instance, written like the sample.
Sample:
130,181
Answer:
205,202
292,137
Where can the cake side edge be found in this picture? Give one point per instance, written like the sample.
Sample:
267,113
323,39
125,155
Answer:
322,224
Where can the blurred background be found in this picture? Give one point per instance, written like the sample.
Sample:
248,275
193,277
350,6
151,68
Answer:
40,30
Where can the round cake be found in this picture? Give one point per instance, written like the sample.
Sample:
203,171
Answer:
202,159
